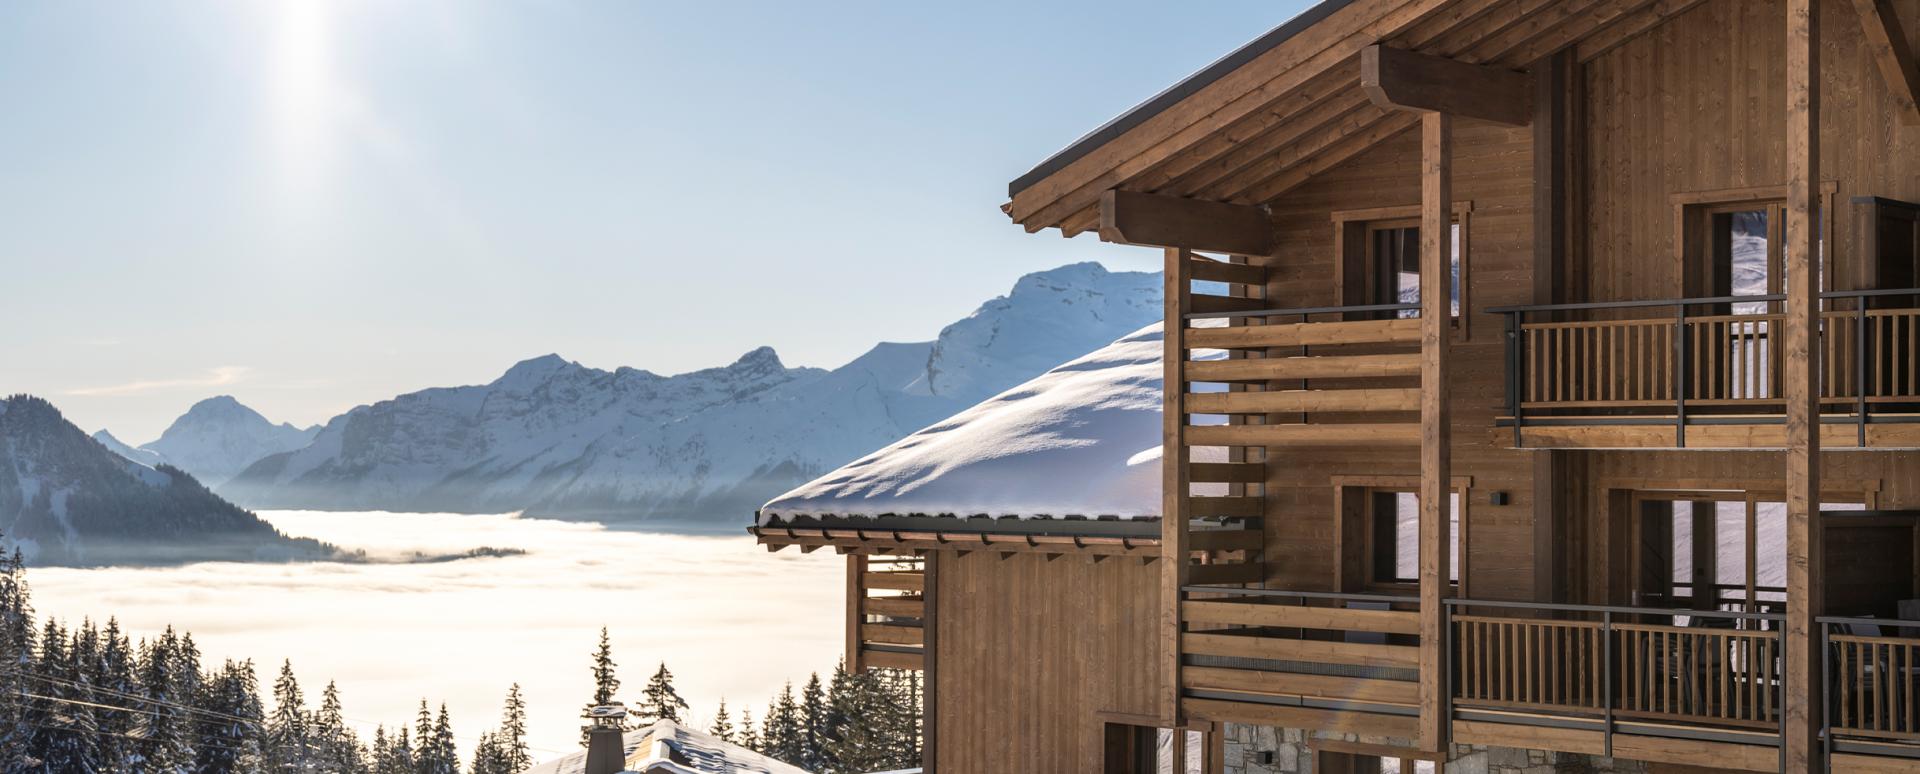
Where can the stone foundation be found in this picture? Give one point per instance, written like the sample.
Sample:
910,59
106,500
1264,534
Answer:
1269,750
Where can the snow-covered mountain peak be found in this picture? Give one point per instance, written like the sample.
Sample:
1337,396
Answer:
553,437
219,436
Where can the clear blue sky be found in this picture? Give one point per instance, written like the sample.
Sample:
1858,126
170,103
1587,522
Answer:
312,205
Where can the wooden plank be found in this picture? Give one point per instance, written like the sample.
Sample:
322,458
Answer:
896,607
1632,26
1296,401
1174,486
1719,756
1226,472
1329,618
893,635
1319,367
1310,720
887,659
1226,539
1153,220
1316,651
1209,270
1854,763
1407,80
1801,701
1310,334
896,581
1436,438
1297,684
1887,40
1226,573
1203,303
1572,740
856,613
1225,507
930,666
1354,434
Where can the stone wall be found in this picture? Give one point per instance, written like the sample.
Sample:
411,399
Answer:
1268,750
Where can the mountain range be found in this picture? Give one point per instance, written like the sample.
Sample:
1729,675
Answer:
552,437
67,500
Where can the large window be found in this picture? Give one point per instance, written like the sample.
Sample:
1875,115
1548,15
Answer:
1379,537
1393,258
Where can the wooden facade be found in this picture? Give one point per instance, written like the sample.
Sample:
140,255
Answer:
1680,359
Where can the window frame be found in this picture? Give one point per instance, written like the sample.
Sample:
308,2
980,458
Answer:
1354,544
1353,254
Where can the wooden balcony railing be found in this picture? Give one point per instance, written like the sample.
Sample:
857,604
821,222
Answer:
1873,679
1696,363
1246,652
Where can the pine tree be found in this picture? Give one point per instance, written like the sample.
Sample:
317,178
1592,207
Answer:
722,724
289,736
749,733
16,661
116,680
605,684
228,722
394,753
512,737
438,753
659,701
813,725
782,735
336,747
487,757
65,734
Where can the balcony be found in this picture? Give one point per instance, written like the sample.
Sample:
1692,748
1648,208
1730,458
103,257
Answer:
1706,373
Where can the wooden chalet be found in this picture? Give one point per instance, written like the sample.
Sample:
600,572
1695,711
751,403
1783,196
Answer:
1569,418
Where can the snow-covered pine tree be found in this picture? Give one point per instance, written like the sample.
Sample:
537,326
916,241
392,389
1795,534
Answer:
228,722
722,727
337,748
854,740
116,680
782,736
659,701
605,683
813,725
438,752
289,737
749,733
487,758
63,721
16,661
399,759
512,738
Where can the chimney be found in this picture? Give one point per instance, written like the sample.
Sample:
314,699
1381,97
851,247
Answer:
606,746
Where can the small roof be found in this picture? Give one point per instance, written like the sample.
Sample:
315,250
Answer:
1081,440
667,747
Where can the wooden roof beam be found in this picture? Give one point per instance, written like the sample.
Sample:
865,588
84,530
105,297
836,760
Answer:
1132,218
1405,80
1891,51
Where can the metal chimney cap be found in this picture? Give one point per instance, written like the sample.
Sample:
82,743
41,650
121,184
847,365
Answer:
611,711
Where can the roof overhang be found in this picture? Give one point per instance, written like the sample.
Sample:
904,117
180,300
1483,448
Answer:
1263,120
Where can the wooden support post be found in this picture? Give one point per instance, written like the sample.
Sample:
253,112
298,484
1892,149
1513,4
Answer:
856,614
929,661
1888,42
1173,479
1801,695
1405,80
1154,220
1436,474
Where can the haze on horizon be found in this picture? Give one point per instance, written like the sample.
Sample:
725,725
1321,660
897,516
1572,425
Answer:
311,205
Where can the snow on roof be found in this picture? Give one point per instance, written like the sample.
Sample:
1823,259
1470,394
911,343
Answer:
1080,440
653,750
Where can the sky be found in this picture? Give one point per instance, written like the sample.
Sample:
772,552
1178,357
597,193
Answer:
313,205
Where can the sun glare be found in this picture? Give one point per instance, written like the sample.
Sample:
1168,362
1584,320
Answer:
302,85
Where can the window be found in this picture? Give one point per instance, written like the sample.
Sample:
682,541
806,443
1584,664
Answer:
1748,250
1393,260
1137,749
1379,260
1394,537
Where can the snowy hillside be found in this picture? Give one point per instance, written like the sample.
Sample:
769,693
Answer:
66,499
150,459
558,438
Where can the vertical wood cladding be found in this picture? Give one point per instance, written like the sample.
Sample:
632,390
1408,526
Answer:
1030,651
